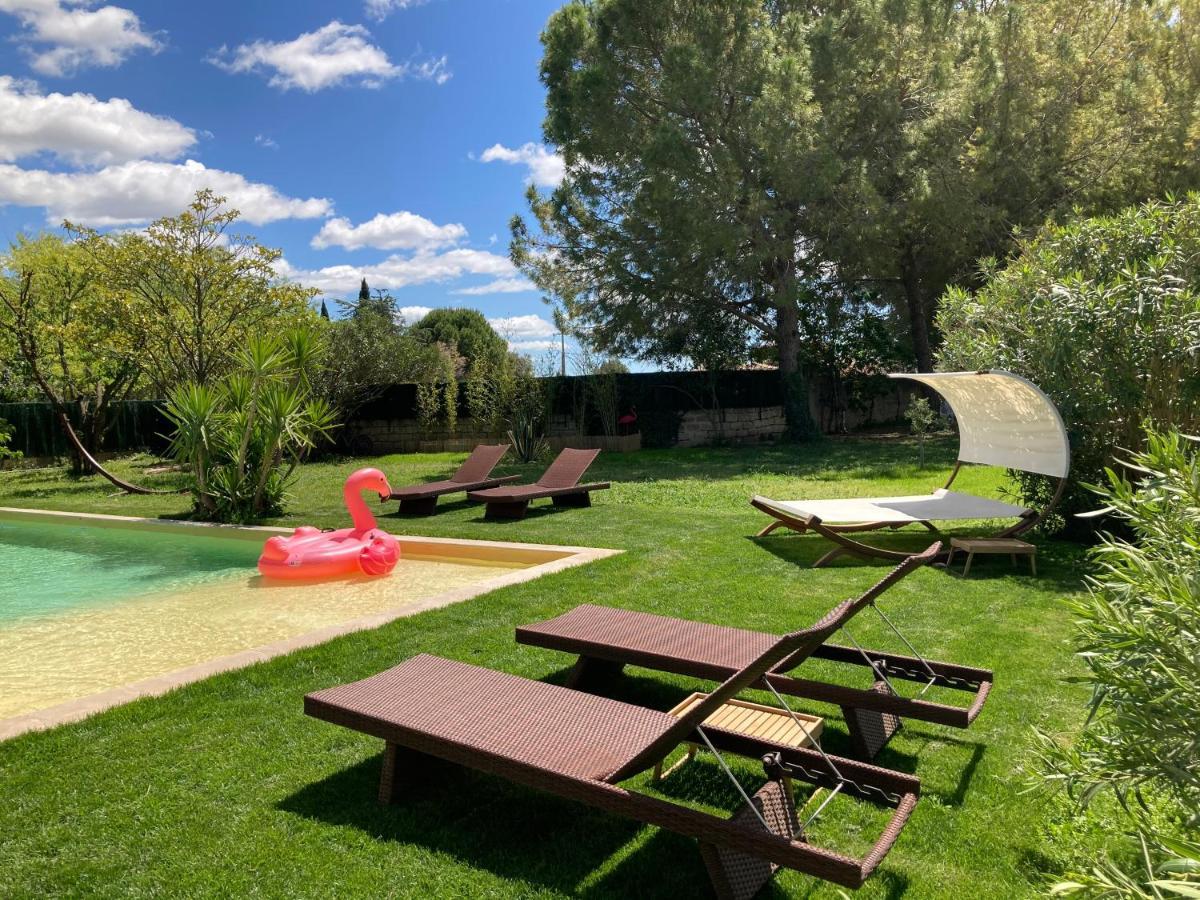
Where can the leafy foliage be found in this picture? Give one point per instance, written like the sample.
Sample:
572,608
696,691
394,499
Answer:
67,332
505,396
465,331
192,291
525,433
921,418
6,435
370,348
721,155
1104,315
1139,636
242,437
849,339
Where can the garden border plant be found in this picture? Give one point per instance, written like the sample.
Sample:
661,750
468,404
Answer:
1138,633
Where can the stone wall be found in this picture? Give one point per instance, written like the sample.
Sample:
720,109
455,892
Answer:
700,427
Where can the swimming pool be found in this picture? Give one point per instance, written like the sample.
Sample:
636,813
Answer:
97,610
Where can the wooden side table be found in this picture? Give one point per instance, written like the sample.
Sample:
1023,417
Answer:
1011,546
753,720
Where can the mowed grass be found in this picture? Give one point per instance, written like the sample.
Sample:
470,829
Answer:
224,787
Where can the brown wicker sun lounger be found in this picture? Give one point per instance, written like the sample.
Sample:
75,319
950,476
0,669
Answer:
581,747
607,639
559,482
473,475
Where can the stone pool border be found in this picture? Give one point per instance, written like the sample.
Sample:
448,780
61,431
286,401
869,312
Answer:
553,558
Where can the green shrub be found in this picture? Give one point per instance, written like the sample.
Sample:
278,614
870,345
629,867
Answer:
242,438
1138,633
503,396
6,435
1104,315
921,419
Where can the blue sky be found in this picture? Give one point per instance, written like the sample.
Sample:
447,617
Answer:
391,138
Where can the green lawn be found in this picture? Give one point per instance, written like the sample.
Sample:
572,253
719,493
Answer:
225,788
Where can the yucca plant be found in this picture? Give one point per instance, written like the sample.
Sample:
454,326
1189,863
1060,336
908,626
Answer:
243,438
525,434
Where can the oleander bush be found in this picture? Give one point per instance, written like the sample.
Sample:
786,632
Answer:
1104,315
1138,633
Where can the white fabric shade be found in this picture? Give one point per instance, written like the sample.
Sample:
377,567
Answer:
1003,420
942,505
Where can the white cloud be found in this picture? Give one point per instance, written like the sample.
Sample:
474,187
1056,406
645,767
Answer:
435,69
82,130
546,169
332,55
532,346
524,328
62,36
381,9
411,314
136,192
263,141
394,231
398,271
499,286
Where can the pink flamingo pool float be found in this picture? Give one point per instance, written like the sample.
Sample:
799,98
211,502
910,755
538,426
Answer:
362,550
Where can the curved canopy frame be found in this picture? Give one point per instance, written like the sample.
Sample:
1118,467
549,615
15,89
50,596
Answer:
1003,420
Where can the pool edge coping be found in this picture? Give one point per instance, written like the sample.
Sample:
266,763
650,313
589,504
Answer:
83,707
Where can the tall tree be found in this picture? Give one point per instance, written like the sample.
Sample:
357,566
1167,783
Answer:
723,153
364,292
465,331
66,336
369,349
196,290
67,333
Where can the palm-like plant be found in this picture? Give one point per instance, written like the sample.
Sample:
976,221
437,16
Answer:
243,438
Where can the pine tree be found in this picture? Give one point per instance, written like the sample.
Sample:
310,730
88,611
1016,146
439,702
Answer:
324,311
364,292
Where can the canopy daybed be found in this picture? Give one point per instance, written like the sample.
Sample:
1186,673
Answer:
1003,420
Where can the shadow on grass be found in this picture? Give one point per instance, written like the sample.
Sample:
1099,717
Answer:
943,745
1060,563
805,549
513,832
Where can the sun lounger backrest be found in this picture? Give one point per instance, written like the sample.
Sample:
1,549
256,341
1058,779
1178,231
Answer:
478,466
794,647
567,468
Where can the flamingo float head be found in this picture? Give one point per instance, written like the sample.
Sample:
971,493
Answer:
364,480
369,480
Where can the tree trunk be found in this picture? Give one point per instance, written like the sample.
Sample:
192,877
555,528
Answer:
918,313
800,425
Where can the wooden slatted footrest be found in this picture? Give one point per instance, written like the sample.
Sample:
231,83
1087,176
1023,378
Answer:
767,723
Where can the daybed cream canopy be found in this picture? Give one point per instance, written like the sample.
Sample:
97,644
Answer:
1003,420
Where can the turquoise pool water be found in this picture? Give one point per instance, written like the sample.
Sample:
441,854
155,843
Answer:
53,568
